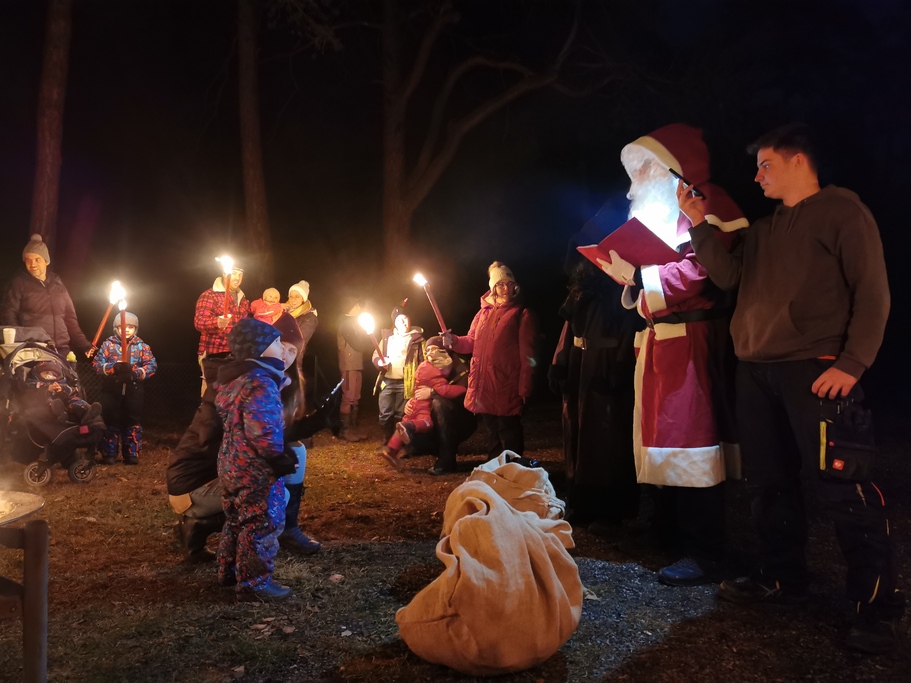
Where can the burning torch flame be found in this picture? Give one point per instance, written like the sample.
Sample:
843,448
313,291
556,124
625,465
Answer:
365,320
227,264
422,281
117,292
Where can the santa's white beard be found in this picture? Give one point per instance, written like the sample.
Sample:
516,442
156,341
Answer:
654,203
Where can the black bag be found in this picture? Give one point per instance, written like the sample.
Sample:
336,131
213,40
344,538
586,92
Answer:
846,445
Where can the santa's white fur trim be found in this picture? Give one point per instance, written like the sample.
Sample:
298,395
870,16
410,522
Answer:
651,287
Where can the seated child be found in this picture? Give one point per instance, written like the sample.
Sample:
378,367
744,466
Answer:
432,373
268,309
63,399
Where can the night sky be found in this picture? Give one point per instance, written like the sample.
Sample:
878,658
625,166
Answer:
151,186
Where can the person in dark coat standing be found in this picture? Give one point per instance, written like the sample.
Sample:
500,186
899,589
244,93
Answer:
592,370
501,340
301,309
38,298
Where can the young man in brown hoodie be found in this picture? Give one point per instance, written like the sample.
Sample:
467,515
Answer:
810,316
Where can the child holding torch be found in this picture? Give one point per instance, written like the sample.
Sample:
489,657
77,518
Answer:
124,372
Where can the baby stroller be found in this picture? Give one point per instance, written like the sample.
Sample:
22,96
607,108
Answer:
30,433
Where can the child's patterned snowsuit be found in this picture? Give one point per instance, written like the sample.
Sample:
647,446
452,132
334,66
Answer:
250,407
69,396
122,402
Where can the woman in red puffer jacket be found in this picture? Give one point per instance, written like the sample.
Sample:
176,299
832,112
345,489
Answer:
501,340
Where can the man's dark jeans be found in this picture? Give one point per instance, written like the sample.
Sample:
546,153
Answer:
778,420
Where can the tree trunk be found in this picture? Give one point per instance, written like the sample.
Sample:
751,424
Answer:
396,216
259,237
50,120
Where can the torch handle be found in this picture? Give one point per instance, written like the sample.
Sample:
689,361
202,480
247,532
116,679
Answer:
227,282
101,326
123,336
376,345
436,309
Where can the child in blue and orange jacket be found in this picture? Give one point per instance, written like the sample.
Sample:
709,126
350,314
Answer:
123,390
252,459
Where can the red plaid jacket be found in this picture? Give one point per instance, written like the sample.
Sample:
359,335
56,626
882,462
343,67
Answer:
209,306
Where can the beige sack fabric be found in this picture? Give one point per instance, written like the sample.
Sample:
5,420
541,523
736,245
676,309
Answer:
510,593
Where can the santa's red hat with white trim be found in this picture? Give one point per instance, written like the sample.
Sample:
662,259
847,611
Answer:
681,147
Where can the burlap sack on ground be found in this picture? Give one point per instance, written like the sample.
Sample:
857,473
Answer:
510,593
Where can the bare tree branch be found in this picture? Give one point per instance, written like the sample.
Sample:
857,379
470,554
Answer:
442,99
419,186
446,16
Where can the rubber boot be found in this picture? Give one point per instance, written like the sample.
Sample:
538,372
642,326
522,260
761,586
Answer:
108,446
292,538
354,424
193,533
348,432
130,442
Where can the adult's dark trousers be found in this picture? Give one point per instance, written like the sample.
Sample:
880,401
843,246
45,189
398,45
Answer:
690,520
452,424
504,433
778,419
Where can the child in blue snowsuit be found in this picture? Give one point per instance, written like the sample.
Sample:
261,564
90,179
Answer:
123,390
252,461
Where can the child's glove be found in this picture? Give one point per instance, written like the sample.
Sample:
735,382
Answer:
283,464
139,374
123,372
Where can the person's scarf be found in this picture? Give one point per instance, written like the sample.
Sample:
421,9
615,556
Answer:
303,309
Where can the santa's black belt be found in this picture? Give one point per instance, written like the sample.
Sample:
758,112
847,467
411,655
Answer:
586,343
690,317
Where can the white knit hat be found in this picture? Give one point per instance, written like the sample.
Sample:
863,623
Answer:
302,288
498,272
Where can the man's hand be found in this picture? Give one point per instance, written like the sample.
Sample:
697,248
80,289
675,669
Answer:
223,321
447,339
833,383
692,207
620,271
423,393
91,352
382,362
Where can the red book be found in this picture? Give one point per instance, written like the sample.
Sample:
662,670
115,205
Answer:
634,243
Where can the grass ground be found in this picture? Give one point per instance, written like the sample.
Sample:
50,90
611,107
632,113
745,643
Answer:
125,607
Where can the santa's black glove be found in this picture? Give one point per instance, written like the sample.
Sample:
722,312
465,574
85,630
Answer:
123,372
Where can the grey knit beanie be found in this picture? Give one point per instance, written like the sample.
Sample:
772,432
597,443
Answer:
36,245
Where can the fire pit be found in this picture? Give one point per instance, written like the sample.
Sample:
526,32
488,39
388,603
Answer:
27,600
15,505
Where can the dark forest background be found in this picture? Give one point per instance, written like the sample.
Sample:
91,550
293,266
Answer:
151,187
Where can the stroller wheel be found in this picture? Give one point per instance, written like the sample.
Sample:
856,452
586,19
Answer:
82,471
37,474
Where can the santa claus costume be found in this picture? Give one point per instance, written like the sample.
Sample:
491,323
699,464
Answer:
683,427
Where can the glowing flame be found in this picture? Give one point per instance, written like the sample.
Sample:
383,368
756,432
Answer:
365,320
420,279
117,292
227,264
122,306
